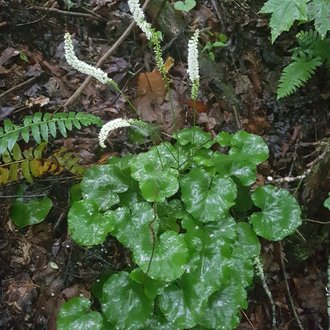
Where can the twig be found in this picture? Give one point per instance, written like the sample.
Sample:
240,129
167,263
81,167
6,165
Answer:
17,87
247,318
319,222
289,178
260,271
288,290
328,293
64,12
102,60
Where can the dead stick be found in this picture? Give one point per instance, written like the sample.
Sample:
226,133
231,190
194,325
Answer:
17,87
285,277
103,58
64,12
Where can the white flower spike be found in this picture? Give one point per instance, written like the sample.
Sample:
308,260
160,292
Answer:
114,124
193,66
139,18
81,66
111,126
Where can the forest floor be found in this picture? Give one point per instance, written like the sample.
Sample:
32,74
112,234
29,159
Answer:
40,266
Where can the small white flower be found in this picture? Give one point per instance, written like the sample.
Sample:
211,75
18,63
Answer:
139,18
193,65
81,66
110,126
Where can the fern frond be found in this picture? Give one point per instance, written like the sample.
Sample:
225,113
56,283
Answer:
31,163
68,161
296,74
40,126
312,42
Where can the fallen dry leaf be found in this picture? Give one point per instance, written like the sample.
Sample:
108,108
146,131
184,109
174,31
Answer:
151,84
155,104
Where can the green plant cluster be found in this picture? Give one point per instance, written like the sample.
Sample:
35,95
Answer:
313,48
220,40
189,217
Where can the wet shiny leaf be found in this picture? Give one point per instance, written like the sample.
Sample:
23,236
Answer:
124,303
87,225
76,314
207,198
279,215
102,184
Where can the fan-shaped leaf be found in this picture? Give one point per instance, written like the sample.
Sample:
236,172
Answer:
124,303
207,198
164,257
30,212
75,314
87,225
102,184
279,215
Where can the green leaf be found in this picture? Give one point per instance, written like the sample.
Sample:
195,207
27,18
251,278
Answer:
87,225
153,170
209,267
11,139
36,133
186,5
320,11
30,212
284,13
279,215
247,151
249,147
169,258
223,307
132,195
248,243
152,288
40,125
327,202
207,198
174,304
160,323
164,257
194,136
169,213
23,57
75,314
102,184
124,303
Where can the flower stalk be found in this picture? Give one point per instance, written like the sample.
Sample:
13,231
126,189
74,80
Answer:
152,35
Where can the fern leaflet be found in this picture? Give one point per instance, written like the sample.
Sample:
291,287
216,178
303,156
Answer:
296,74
